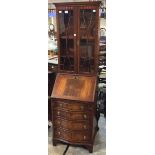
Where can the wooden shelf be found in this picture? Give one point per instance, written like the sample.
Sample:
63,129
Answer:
72,37
67,37
67,56
69,65
89,37
86,58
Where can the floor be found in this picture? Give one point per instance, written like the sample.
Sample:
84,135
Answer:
99,144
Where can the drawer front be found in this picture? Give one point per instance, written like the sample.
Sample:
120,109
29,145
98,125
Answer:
73,136
72,106
72,125
71,115
79,116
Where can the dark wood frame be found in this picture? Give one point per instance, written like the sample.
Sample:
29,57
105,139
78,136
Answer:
77,6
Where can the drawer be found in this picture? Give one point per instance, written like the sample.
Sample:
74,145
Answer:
72,125
72,106
79,116
72,136
71,115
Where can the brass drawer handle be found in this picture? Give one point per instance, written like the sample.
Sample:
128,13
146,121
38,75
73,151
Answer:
85,116
58,112
82,107
84,137
58,133
61,105
84,126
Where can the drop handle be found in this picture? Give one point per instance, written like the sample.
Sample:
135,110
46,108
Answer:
84,137
84,126
85,116
58,133
58,112
82,107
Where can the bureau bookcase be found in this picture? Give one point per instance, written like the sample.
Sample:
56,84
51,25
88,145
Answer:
74,95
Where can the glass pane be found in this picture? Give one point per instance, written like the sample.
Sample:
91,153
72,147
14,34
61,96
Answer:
66,40
87,40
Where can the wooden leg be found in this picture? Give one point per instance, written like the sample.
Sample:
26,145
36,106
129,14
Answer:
90,148
97,128
54,142
97,119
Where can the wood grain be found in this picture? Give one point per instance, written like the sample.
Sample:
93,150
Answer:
74,87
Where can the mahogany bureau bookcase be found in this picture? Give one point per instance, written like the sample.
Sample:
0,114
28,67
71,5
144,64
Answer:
74,96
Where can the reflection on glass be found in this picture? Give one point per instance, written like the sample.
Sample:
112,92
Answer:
67,40
87,40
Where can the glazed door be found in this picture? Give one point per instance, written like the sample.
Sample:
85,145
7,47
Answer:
66,39
87,30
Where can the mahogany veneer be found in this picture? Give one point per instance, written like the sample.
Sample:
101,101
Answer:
74,110
74,94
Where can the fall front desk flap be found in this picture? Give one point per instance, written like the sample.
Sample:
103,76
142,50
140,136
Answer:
74,87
